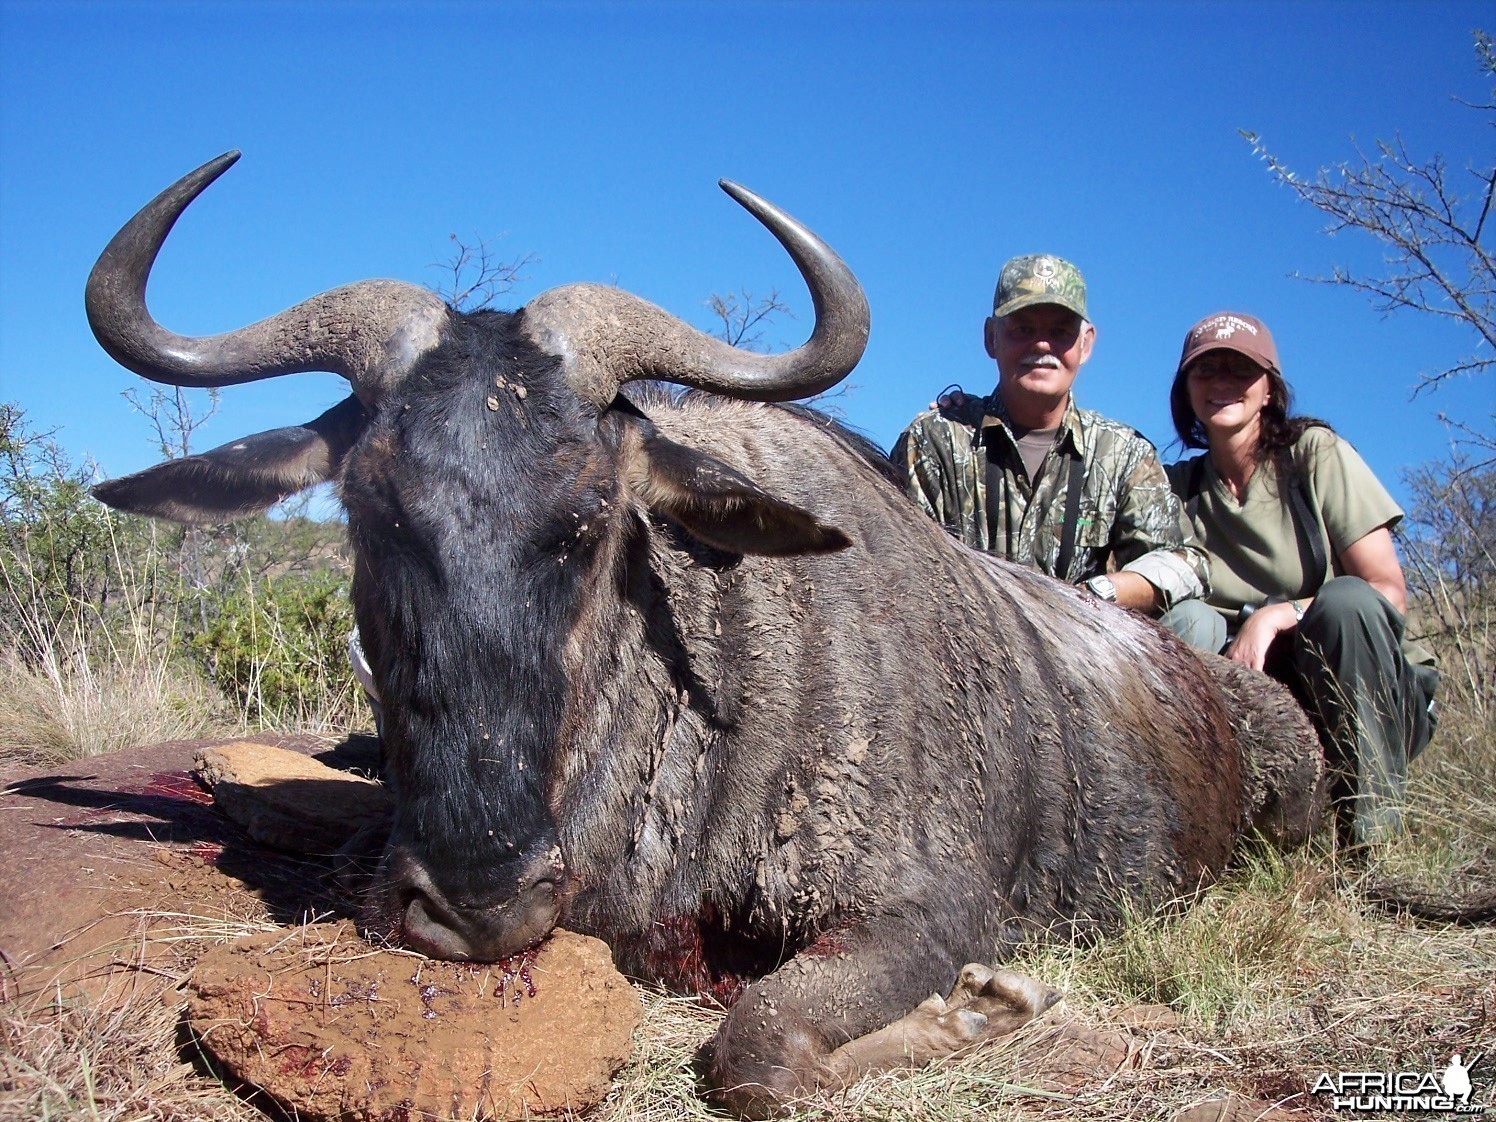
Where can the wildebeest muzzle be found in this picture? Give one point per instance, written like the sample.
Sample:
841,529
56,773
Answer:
416,911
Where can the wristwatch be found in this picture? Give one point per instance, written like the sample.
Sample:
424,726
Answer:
1102,588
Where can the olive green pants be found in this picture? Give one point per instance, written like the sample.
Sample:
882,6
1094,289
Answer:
1198,624
1372,707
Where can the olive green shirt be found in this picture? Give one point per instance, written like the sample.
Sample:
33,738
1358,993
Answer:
1256,546
1128,515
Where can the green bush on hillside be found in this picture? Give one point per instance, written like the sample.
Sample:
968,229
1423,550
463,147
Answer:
278,646
104,614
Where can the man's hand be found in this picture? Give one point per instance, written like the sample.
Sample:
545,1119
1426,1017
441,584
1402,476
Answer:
952,400
1256,636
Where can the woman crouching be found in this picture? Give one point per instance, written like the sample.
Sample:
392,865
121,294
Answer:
1305,580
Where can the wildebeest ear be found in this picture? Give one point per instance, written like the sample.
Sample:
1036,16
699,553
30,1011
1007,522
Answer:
724,509
242,478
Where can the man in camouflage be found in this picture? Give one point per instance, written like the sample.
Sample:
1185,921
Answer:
1002,472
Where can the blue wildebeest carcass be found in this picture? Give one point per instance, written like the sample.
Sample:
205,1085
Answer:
684,670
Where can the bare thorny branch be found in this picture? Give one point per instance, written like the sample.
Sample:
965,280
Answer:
476,276
1478,448
1448,543
1435,228
171,417
744,318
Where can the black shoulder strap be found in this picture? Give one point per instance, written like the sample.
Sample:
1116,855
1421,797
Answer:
1311,541
1072,509
1072,518
994,488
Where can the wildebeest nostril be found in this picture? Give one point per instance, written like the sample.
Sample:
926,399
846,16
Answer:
477,925
547,882
430,928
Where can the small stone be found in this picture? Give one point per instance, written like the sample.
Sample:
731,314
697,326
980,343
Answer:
331,1028
493,402
1069,1056
1146,1018
288,800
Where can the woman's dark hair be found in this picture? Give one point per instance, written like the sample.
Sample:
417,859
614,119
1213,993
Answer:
1279,431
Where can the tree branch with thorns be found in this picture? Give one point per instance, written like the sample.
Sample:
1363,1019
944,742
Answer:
1432,221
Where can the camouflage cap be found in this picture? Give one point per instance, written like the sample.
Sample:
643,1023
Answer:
1039,278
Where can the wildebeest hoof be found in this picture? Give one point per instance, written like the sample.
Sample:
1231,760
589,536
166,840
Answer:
1006,995
983,1004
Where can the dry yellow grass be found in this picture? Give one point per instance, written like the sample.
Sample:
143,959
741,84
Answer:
67,708
118,1057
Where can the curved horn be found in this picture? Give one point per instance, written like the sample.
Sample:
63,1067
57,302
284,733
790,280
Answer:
371,332
606,337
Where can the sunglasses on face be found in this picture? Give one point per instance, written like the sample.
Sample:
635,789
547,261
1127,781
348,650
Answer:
1205,370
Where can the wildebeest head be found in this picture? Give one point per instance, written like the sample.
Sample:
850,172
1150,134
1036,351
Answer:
491,472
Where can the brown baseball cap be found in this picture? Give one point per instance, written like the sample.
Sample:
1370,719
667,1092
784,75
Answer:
1231,331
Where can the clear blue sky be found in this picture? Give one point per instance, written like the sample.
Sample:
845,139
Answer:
926,142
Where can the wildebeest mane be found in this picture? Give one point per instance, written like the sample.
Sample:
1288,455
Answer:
647,395
854,441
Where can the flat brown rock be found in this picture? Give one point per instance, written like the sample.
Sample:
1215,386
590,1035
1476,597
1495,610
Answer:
332,1028
289,800
101,851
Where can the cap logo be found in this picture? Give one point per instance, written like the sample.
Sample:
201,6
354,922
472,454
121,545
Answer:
1039,278
1223,327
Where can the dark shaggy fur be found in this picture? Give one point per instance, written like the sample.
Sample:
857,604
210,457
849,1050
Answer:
691,675
850,771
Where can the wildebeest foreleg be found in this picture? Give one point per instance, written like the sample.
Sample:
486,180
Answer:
823,1021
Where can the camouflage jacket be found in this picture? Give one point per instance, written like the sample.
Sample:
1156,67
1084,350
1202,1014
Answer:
1129,517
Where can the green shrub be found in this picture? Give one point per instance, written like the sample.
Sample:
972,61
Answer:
55,541
278,646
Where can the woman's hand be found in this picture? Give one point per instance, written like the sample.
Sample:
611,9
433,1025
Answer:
1256,636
